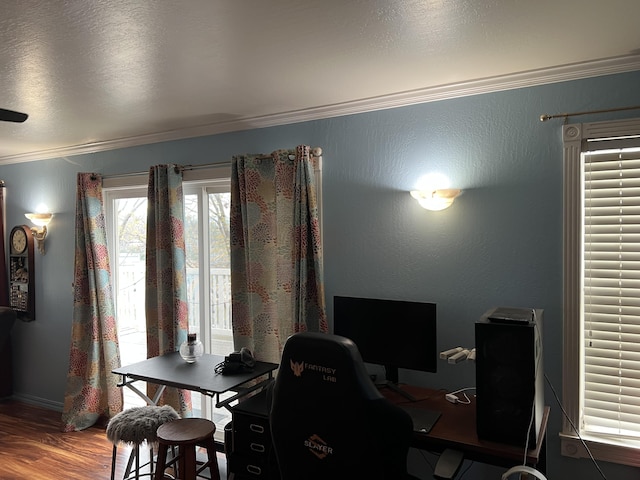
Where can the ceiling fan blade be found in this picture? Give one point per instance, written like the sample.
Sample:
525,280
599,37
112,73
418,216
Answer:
11,116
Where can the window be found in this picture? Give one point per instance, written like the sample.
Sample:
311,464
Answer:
601,372
206,216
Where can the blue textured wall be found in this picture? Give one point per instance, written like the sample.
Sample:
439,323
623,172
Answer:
499,244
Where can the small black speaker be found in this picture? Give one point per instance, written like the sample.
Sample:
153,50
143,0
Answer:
509,376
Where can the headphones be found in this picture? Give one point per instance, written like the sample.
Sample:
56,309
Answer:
237,362
523,469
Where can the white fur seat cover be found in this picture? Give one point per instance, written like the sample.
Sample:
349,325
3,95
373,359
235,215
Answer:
139,424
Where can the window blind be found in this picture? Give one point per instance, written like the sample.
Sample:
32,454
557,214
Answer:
611,292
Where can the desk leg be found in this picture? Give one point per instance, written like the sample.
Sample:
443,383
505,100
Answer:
142,395
541,466
156,397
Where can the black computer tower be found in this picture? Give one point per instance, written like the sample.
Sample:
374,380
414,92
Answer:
509,375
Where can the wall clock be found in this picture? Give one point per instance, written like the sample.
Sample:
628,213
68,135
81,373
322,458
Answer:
18,241
22,289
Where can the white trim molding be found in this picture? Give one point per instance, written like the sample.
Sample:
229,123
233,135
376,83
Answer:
611,448
531,78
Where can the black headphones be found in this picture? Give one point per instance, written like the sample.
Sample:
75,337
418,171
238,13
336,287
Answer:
237,362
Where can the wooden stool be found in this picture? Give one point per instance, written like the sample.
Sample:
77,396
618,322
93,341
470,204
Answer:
187,434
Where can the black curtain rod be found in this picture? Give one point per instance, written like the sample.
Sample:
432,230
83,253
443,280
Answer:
544,118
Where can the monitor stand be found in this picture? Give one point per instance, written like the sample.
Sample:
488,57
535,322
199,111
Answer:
391,374
397,389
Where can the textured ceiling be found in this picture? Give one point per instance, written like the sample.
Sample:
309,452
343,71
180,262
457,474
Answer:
98,74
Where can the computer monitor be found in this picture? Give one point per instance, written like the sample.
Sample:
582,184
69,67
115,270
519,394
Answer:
393,333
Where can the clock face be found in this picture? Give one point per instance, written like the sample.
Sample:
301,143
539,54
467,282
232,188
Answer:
19,240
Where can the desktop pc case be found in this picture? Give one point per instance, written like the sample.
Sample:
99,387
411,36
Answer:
509,375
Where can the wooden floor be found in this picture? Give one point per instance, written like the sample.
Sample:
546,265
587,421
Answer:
32,447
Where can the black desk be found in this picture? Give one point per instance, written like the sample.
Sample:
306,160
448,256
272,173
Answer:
170,370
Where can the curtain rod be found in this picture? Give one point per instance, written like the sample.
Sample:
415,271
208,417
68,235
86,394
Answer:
184,167
314,152
544,118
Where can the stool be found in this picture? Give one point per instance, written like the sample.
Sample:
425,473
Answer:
136,426
187,434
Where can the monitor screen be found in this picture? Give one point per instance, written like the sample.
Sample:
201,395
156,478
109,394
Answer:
392,333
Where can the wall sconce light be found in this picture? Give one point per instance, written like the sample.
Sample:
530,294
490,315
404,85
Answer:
40,220
436,199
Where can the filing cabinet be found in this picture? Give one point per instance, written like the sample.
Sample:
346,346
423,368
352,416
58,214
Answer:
251,455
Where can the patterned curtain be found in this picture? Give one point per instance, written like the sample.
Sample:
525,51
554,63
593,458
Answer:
166,288
92,390
276,255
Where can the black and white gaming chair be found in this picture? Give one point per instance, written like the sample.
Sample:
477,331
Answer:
328,420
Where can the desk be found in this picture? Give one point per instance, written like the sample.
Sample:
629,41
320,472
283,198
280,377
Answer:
170,370
456,429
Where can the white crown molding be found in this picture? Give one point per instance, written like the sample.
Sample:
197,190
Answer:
531,78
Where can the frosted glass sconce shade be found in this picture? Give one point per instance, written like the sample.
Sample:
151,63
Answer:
435,199
40,220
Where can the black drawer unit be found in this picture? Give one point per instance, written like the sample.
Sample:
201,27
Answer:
251,455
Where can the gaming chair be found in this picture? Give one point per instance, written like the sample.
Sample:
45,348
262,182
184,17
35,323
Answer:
328,420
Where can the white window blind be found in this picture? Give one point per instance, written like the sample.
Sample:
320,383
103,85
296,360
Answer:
611,292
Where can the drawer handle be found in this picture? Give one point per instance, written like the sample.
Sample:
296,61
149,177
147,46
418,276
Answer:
256,447
254,470
256,428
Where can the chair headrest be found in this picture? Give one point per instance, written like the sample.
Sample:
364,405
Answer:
310,359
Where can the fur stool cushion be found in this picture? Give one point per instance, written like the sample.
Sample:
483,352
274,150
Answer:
139,424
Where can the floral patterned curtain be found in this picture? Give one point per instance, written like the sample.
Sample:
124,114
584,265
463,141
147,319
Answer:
92,390
166,288
277,284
